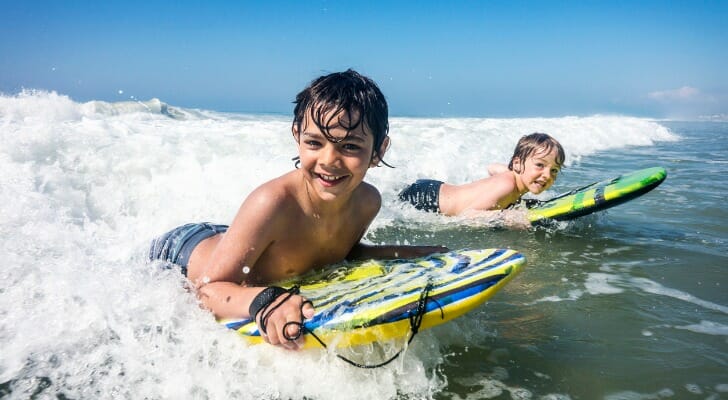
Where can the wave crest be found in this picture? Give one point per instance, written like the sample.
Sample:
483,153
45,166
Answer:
41,105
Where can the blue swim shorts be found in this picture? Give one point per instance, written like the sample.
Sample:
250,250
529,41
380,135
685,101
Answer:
176,245
423,194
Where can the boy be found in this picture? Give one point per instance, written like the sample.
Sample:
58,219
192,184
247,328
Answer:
536,161
310,217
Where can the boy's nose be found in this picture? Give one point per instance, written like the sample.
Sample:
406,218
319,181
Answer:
329,155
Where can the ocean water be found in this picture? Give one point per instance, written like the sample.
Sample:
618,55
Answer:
631,303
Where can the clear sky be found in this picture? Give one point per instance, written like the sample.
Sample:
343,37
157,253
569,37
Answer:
431,58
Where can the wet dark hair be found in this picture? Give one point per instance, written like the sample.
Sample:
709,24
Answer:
529,145
349,92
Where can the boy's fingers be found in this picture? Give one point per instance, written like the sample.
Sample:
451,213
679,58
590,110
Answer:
308,310
270,336
293,331
282,333
278,339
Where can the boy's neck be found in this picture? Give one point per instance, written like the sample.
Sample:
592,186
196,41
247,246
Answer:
318,208
522,189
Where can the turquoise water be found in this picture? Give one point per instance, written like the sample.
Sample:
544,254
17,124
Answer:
625,304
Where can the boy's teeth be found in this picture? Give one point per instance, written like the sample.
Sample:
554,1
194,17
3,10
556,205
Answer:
329,178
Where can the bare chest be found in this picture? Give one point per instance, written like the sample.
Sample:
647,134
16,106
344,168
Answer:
307,245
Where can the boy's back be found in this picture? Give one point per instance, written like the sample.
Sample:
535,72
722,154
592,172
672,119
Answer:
492,193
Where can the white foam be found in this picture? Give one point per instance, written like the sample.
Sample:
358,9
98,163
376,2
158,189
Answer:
488,386
572,295
653,287
693,388
605,283
630,395
599,283
707,327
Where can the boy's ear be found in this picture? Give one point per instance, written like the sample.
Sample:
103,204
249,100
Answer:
380,154
294,131
517,167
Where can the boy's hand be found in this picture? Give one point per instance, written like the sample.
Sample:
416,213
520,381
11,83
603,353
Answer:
516,219
420,251
295,309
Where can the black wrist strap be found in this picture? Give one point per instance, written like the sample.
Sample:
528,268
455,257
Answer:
263,299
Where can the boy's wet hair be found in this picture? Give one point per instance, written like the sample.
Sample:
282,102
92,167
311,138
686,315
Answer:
534,143
357,96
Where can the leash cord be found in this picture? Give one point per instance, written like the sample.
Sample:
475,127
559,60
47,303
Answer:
415,320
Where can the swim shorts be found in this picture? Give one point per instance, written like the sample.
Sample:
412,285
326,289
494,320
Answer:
423,194
176,245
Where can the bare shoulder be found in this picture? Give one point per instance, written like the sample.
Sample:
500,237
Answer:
272,201
491,193
497,168
504,181
274,192
500,183
368,199
505,189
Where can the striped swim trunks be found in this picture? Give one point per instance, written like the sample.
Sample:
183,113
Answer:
176,245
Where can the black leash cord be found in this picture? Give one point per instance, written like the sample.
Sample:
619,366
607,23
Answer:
415,320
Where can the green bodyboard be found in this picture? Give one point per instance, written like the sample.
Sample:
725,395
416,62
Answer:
596,196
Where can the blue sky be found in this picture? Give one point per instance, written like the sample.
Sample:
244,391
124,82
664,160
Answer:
431,58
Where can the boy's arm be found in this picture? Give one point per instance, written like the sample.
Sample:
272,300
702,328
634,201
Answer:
369,209
514,219
231,300
364,252
218,283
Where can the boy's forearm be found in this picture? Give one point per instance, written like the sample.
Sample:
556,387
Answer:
513,219
364,252
227,299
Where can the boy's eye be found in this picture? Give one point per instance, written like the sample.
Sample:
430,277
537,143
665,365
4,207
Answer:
312,143
351,147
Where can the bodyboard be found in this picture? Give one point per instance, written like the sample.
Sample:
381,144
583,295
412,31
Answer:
364,302
596,196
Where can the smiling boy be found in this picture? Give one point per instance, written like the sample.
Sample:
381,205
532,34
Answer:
534,166
308,218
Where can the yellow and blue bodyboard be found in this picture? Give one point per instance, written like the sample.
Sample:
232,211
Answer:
373,301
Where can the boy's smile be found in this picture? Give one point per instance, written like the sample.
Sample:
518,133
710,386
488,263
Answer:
329,180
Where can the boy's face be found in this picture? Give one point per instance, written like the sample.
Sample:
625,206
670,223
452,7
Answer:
334,169
539,171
